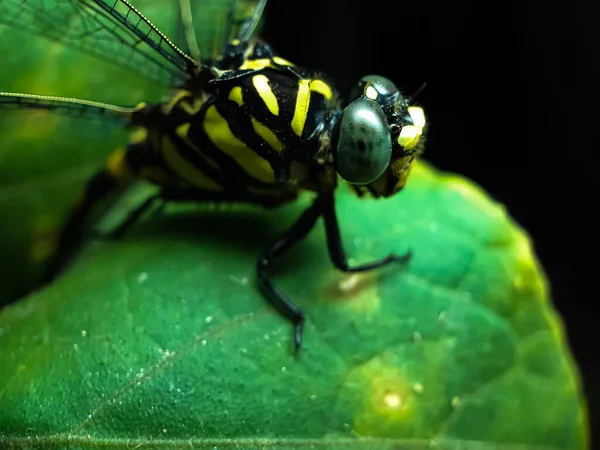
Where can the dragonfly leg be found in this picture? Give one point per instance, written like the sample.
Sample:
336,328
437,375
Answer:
114,175
334,242
133,217
297,232
71,235
191,195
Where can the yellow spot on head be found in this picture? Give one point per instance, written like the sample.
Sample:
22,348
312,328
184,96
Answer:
417,115
371,93
261,84
409,136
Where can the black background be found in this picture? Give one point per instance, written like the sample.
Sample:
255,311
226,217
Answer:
512,101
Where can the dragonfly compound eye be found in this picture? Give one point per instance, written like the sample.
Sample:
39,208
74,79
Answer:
362,144
378,88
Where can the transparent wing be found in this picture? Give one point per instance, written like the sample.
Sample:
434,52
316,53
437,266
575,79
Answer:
112,30
208,25
246,19
11,101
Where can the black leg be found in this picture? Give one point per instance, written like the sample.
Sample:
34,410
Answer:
97,188
334,242
299,230
133,217
189,195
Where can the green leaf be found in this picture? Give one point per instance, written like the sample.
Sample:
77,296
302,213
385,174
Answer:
163,339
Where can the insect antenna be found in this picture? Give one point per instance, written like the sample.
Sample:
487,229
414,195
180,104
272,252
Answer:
411,98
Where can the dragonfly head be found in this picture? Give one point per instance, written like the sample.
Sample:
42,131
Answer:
377,137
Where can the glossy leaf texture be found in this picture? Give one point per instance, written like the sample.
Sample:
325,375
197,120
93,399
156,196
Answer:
45,158
162,340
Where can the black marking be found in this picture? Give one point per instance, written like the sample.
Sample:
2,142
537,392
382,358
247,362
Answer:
196,160
232,175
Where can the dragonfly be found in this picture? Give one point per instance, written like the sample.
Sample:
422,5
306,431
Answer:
240,124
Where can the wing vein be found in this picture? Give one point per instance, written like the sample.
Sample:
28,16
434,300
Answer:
115,32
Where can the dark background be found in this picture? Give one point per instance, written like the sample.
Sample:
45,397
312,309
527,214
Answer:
512,101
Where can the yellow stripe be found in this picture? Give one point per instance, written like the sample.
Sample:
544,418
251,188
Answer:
117,166
191,174
182,132
264,132
264,62
179,95
301,108
321,87
190,109
281,61
236,95
255,64
261,84
218,131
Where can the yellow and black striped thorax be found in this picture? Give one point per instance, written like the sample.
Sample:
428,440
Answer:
246,134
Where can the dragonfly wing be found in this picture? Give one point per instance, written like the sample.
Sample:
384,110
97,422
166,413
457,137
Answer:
112,30
206,26
11,101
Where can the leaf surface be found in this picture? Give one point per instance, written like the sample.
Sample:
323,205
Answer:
163,339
